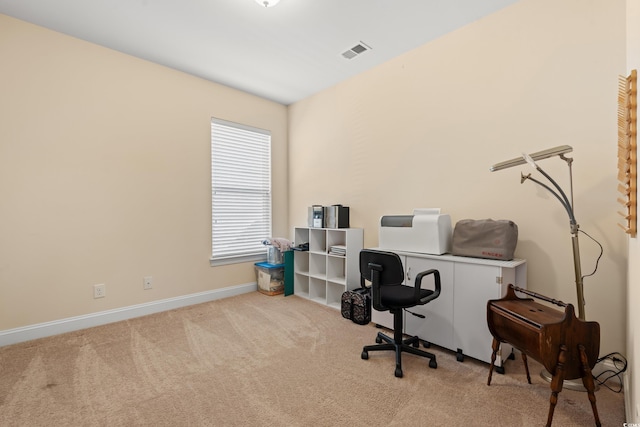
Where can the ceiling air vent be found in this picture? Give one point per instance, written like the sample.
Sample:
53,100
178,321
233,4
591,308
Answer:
356,50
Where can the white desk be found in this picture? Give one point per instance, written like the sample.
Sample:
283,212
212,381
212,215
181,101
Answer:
457,319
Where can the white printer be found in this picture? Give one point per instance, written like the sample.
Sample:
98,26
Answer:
426,231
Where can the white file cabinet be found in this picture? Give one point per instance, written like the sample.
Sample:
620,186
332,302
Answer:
457,319
330,266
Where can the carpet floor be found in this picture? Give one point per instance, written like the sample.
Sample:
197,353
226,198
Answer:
255,360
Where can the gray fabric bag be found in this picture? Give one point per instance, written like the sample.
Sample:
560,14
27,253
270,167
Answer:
485,238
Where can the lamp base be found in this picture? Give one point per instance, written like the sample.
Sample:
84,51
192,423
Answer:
575,385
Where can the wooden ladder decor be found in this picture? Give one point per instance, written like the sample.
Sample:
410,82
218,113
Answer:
627,150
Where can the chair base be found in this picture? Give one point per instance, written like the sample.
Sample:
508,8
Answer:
397,344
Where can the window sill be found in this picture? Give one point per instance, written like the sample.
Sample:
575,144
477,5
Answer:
236,260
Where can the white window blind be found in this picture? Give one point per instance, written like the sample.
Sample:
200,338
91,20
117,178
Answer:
241,191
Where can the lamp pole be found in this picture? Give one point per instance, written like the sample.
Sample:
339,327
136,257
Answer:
578,271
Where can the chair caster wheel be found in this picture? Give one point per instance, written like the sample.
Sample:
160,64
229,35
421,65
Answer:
398,373
433,364
426,344
365,355
378,340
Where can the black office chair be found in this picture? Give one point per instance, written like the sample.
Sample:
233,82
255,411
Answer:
384,271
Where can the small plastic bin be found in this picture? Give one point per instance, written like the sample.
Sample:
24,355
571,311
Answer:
274,256
270,278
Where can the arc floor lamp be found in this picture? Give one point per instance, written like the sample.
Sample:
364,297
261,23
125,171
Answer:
559,194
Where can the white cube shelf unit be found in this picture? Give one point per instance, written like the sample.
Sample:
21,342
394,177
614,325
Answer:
330,266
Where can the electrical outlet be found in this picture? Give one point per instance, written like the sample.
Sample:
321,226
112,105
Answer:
147,282
99,291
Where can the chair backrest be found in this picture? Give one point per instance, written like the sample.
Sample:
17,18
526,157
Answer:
387,265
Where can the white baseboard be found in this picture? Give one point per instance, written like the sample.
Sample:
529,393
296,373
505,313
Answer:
41,330
629,409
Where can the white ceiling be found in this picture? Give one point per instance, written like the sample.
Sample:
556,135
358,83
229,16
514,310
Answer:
284,53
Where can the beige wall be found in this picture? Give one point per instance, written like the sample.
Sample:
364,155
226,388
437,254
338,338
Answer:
422,130
105,177
104,158
633,285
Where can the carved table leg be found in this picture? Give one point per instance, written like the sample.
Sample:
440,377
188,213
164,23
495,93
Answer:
557,382
587,380
495,345
526,367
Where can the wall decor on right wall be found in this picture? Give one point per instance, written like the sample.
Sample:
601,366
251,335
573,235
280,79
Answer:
627,150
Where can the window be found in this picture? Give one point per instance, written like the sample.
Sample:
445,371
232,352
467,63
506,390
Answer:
241,192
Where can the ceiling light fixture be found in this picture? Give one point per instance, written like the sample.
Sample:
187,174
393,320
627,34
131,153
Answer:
267,3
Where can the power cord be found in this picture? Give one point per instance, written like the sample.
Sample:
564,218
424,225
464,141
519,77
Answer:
599,256
618,360
620,364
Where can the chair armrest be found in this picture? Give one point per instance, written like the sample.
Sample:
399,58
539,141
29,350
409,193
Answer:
418,282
